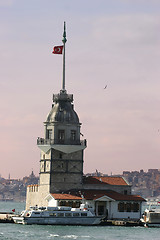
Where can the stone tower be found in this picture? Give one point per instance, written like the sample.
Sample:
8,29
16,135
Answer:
61,163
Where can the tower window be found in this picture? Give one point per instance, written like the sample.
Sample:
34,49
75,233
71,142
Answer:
73,135
49,134
61,135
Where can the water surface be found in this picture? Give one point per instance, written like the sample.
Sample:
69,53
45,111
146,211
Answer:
43,232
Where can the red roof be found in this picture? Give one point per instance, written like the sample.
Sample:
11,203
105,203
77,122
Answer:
65,196
105,180
95,194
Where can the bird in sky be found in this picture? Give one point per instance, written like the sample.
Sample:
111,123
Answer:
105,87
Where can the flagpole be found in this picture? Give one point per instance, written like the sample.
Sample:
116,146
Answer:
64,40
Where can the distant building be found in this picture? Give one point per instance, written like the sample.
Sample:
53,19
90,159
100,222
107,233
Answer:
147,184
61,179
31,179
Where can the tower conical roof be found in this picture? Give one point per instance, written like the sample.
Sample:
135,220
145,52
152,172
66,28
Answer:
62,111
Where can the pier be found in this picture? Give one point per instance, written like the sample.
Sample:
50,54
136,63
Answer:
124,223
6,217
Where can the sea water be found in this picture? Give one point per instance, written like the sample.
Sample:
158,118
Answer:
10,231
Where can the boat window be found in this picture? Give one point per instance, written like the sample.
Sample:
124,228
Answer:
36,212
155,215
83,214
60,214
68,214
53,214
75,214
42,208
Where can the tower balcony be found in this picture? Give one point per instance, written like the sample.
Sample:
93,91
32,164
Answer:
66,146
43,141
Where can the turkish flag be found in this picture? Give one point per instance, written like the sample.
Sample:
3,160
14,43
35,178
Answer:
57,50
13,210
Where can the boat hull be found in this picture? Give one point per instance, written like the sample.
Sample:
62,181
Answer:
58,220
155,225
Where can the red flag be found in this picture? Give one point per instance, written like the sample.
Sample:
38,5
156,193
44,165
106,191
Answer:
57,50
13,210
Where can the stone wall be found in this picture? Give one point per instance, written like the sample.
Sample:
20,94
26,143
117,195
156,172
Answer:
36,196
66,171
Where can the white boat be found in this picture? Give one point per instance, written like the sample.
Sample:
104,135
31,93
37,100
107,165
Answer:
58,216
151,218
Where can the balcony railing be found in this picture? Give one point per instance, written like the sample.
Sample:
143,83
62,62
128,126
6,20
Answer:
43,141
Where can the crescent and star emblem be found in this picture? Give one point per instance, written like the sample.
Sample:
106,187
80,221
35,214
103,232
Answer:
57,50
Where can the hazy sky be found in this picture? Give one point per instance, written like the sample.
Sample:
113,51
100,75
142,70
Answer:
109,42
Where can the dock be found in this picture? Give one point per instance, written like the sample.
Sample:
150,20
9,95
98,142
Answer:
6,217
124,223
